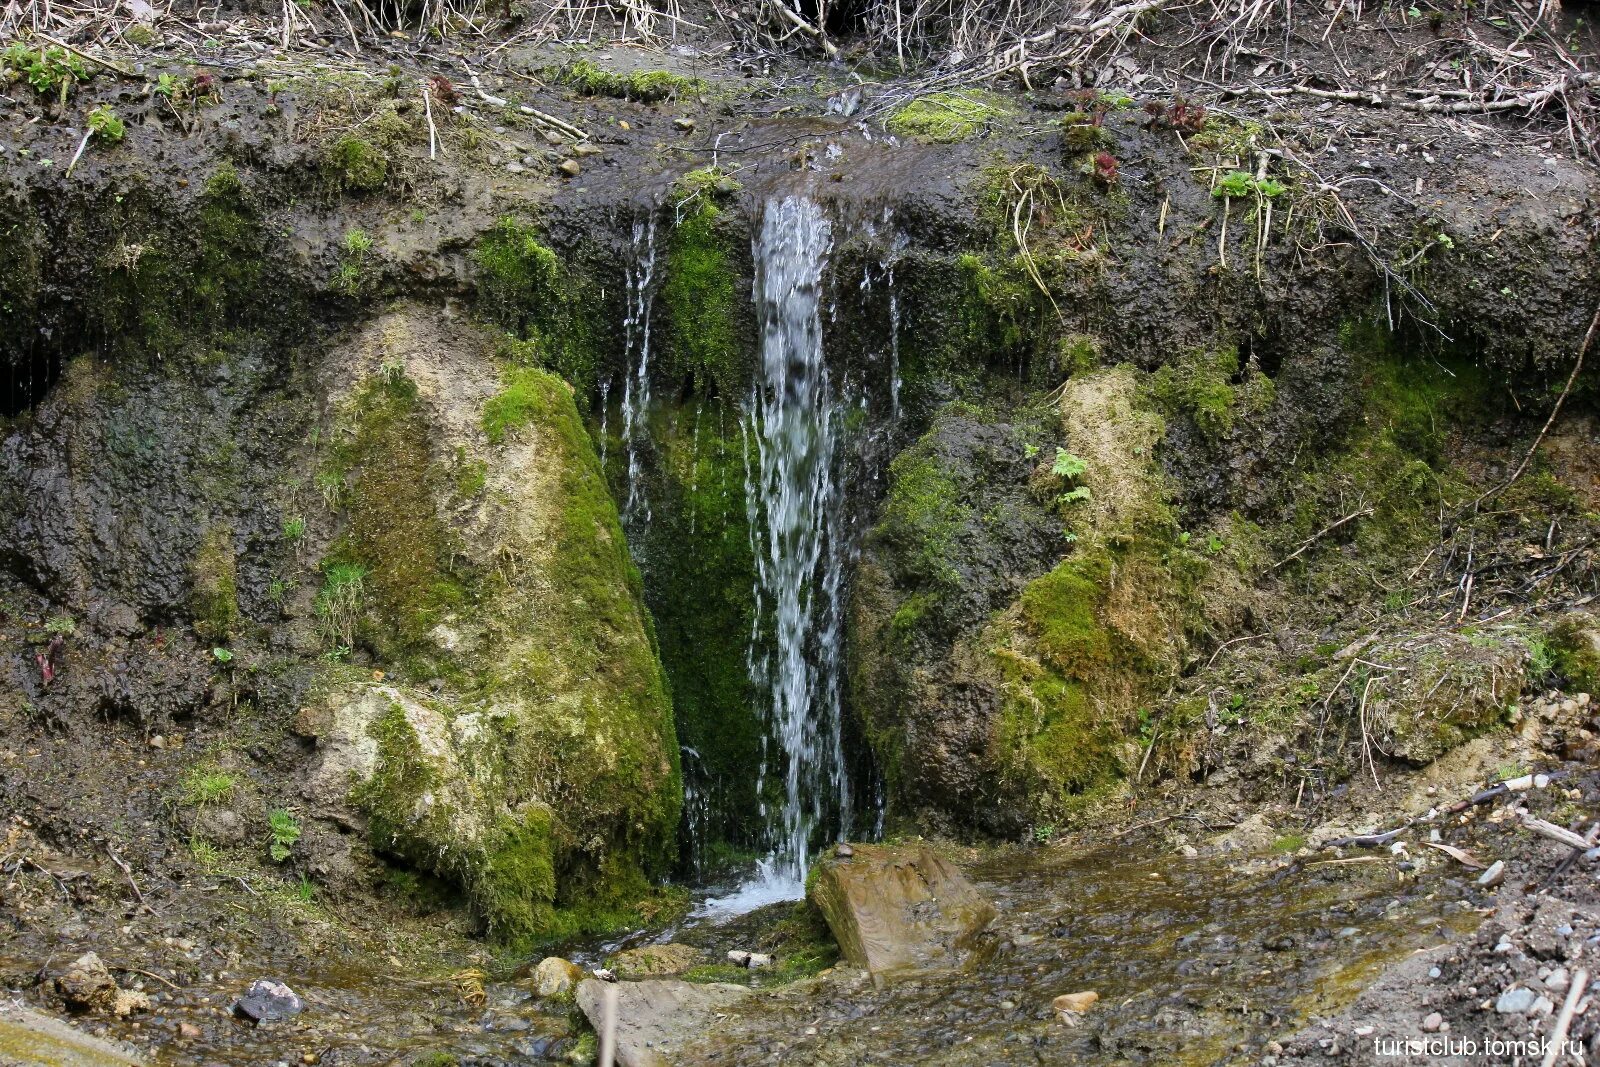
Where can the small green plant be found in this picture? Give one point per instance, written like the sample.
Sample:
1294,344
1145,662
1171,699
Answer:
1241,184
105,125
294,528
168,86
207,785
1069,468
50,71
207,855
306,891
339,602
330,483
222,655
1067,465
1030,450
353,261
1043,834
277,590
283,830
60,626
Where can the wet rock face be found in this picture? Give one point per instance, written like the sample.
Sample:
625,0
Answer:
932,570
895,908
393,546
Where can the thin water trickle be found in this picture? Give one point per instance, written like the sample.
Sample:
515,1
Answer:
636,387
797,532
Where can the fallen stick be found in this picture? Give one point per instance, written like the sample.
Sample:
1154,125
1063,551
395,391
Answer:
1505,788
805,27
1569,1008
1556,833
549,120
128,873
1314,538
427,110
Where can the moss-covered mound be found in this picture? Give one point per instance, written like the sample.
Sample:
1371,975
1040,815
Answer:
526,749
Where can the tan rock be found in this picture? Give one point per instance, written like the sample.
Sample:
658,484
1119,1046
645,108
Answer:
86,984
555,976
894,908
1075,1002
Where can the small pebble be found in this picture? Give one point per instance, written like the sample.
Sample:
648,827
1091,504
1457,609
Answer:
1434,972
1518,1000
1431,1022
1494,875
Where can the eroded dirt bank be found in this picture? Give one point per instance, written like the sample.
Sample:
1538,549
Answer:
1201,480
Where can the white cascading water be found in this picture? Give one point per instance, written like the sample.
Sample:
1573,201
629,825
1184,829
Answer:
636,386
797,537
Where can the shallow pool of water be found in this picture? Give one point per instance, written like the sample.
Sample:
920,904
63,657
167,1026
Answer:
1195,961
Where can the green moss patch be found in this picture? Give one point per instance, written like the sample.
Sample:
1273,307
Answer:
215,597
700,299
944,118
1209,387
390,485
646,86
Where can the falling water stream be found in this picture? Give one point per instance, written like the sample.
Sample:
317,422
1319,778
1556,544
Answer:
796,523
641,273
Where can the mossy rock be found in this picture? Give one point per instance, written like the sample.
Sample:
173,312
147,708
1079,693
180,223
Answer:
537,768
1022,711
1434,691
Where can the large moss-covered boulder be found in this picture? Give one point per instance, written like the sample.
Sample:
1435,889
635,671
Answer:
516,736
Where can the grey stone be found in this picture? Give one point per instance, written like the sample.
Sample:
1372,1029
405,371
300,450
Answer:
656,1018
1518,1000
267,1001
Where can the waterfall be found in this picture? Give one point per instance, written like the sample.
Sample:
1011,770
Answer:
796,519
636,386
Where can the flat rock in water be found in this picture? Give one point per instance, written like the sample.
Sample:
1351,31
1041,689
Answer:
657,1017
29,1039
894,908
